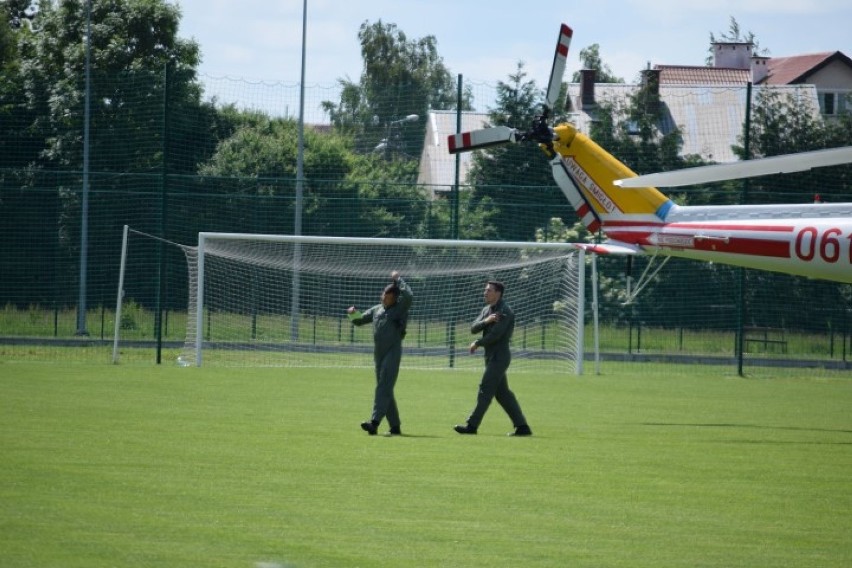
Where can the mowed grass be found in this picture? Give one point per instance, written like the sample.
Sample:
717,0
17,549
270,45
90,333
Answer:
164,466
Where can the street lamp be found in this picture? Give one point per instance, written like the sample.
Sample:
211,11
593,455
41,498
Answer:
391,141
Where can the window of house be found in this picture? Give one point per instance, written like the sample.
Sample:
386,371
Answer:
827,103
844,102
833,103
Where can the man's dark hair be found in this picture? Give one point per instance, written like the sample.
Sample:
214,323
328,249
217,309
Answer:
392,289
497,286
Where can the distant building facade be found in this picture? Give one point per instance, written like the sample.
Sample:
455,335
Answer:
830,72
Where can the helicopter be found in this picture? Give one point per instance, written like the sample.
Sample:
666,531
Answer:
812,240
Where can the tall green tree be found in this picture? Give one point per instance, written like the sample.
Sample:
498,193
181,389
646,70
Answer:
20,232
386,200
132,43
17,147
18,13
400,77
590,58
134,53
515,176
785,122
345,193
632,132
255,169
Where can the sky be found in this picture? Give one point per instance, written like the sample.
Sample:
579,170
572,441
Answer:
483,40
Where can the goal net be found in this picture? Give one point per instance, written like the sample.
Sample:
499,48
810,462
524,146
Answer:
275,300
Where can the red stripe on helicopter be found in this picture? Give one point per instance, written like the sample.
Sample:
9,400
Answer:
590,220
632,236
708,226
732,245
753,247
730,227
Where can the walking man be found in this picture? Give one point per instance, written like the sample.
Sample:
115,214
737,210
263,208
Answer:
496,322
389,319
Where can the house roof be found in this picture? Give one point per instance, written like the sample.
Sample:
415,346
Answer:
710,116
797,68
701,75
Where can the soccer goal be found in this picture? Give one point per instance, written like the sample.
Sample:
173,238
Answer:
277,300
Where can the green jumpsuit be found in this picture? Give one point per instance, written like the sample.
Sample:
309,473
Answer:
495,339
388,332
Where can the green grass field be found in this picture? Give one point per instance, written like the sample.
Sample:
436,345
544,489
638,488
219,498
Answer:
165,466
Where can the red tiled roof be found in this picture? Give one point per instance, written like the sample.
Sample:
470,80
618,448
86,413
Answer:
695,75
794,69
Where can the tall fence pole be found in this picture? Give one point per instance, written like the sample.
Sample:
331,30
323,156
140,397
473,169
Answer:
164,208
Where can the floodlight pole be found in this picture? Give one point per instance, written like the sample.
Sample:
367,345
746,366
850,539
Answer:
84,213
454,215
300,181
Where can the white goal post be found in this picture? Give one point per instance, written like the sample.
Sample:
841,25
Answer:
281,300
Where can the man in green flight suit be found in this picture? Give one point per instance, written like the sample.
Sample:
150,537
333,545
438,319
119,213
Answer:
389,320
496,322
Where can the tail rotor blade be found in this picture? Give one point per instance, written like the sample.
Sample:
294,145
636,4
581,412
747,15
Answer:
558,70
477,139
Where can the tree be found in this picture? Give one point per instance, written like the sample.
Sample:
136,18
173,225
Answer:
517,176
590,58
14,112
631,131
18,13
345,193
132,43
20,233
476,218
8,49
401,77
256,169
386,200
783,123
134,52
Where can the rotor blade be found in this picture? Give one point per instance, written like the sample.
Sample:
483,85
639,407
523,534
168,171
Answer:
558,69
749,168
476,139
